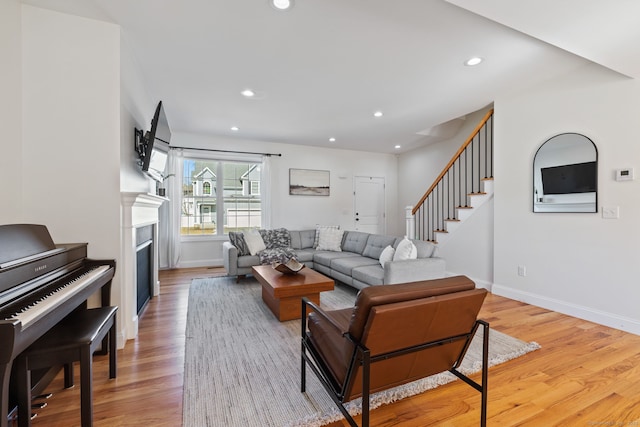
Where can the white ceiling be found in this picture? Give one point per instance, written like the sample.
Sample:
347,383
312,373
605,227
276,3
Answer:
323,68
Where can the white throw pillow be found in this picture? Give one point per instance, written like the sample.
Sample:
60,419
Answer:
405,250
254,241
322,227
330,239
386,255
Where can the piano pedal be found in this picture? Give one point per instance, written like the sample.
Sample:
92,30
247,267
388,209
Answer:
39,405
33,415
43,396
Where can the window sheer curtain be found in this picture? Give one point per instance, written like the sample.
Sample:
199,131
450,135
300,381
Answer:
265,191
174,192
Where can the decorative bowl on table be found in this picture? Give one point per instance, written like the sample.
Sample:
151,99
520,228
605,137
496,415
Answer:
293,266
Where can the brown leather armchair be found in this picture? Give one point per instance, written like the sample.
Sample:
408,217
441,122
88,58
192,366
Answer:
393,335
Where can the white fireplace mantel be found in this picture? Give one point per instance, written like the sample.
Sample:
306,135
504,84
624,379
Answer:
138,210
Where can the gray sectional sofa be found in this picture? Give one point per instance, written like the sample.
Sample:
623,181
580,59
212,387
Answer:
358,262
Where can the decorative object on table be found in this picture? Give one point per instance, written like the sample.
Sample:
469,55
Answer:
290,267
308,182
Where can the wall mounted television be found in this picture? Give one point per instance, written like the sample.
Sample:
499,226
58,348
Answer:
153,146
569,179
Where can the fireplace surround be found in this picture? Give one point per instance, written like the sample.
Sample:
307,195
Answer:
140,243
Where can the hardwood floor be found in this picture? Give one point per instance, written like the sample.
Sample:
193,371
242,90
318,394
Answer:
584,375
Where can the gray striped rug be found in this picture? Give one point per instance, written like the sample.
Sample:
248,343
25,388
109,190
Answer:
242,366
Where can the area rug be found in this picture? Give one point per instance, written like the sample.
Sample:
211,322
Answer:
242,366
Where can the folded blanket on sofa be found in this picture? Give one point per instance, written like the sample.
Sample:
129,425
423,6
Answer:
281,255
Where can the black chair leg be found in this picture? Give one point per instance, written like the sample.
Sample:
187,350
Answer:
86,390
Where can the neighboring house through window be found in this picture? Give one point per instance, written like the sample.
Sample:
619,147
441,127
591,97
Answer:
220,196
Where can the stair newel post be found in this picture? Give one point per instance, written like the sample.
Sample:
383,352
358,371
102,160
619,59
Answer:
410,222
491,173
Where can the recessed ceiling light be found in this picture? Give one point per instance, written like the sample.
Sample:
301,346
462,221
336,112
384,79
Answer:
397,147
281,4
377,114
473,61
332,139
248,93
235,128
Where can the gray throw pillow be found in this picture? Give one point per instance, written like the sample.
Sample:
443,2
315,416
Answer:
237,240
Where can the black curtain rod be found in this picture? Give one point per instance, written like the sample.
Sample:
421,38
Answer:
173,147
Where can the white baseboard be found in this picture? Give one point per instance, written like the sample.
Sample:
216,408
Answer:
479,282
586,313
201,263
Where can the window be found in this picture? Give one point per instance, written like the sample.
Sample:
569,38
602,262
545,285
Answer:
219,196
255,188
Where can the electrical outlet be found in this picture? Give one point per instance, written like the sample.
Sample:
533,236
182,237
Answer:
522,270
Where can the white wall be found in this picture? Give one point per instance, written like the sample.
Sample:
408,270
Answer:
577,263
71,130
469,250
10,111
302,212
137,108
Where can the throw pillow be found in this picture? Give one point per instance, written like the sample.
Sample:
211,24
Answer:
405,250
330,239
386,255
254,242
237,239
276,238
323,227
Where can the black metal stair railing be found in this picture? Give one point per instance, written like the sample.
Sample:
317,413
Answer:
461,178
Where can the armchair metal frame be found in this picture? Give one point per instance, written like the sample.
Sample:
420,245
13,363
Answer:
362,357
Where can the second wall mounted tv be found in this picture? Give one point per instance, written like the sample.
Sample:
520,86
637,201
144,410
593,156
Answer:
568,179
154,149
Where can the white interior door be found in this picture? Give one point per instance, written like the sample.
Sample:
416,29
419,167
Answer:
369,204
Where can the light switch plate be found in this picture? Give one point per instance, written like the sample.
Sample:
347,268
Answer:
611,212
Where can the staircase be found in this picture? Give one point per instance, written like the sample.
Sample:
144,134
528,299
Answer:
465,184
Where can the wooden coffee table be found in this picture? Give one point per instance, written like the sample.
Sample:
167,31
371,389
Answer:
283,292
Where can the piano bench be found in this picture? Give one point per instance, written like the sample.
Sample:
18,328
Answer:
75,338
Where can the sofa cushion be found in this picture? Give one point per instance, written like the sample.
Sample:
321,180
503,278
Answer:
386,255
346,265
304,255
369,274
376,244
425,249
254,241
355,241
302,239
276,238
317,233
237,240
330,240
326,257
405,250
248,261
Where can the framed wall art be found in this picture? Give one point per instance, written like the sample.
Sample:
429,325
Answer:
308,182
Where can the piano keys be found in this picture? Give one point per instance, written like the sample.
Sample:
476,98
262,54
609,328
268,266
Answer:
40,284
